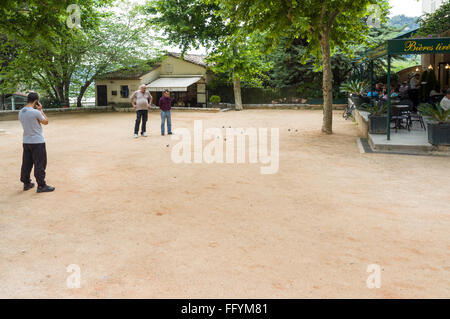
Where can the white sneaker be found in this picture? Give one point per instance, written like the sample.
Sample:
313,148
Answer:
144,134
136,136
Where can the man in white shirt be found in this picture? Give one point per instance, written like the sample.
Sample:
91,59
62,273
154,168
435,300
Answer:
414,85
141,101
414,82
445,103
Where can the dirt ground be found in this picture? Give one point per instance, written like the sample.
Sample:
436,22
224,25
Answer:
140,226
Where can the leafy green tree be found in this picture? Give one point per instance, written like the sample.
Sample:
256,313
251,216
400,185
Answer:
437,22
121,41
45,44
8,52
326,25
68,60
376,37
241,58
195,23
289,70
42,20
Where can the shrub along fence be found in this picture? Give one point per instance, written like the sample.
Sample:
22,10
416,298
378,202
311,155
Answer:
285,95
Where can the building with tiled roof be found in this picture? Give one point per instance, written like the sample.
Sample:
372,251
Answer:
186,78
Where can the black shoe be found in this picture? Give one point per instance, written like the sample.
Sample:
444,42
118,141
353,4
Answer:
28,186
162,134
45,189
170,133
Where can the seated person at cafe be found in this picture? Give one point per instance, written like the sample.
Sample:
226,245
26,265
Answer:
374,94
384,93
379,88
396,92
445,103
435,91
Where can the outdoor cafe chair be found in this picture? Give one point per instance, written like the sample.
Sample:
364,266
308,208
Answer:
417,117
399,116
436,99
409,112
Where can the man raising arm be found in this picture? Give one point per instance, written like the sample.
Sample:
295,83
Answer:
31,116
39,108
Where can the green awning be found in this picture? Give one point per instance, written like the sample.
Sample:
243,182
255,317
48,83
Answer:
403,46
381,50
418,46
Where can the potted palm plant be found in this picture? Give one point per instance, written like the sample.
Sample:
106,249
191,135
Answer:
439,126
355,89
377,117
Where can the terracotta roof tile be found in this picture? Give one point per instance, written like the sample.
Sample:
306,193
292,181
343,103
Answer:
136,73
193,58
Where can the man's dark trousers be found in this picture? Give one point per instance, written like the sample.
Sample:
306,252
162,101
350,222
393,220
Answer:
141,114
415,98
34,154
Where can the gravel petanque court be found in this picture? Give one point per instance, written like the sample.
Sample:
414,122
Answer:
139,225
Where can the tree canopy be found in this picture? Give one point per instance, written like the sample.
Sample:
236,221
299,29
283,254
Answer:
43,20
437,22
62,60
195,23
325,24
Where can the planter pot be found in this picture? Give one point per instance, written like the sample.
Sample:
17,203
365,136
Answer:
357,100
438,134
317,101
340,101
377,124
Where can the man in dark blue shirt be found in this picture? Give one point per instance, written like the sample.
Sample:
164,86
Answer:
165,104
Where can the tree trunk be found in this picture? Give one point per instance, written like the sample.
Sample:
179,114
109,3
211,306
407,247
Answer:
82,91
66,92
327,125
237,92
60,91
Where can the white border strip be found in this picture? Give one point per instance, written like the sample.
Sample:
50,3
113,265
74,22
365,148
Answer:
360,147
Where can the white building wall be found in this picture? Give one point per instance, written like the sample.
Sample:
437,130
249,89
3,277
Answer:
429,6
175,67
115,85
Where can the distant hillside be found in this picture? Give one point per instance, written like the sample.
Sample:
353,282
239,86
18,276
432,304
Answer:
401,21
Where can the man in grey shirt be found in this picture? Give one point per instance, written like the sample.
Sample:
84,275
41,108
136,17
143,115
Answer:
31,116
141,101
